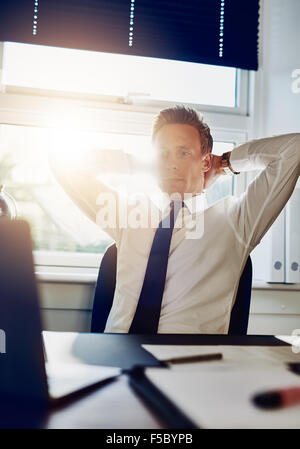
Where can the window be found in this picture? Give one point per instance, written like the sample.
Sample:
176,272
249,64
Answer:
129,78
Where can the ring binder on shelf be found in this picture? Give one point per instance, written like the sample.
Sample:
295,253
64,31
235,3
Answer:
293,238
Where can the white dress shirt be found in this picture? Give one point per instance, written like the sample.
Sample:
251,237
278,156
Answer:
203,269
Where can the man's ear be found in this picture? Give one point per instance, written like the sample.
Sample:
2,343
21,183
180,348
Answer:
207,160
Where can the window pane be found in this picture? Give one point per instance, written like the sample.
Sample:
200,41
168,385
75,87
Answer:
56,223
224,185
118,75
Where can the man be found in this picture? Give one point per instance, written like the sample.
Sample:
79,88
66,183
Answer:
207,253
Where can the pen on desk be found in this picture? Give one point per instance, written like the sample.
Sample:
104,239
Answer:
195,358
277,398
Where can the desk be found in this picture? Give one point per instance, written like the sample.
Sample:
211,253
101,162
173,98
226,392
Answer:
116,405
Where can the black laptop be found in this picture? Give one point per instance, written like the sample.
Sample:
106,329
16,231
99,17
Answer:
24,374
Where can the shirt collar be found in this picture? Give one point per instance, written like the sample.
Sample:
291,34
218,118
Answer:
194,204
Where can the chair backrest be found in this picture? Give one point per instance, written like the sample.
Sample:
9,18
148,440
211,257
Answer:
240,312
106,283
105,289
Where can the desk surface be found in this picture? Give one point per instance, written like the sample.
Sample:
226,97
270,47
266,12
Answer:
116,405
124,350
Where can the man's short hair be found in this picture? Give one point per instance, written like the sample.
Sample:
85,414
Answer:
187,116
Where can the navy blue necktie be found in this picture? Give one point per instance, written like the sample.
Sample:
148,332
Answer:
147,313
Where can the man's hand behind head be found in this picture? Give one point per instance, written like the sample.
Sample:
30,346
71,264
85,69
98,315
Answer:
214,172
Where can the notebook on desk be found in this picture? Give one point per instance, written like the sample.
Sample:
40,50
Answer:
24,375
218,394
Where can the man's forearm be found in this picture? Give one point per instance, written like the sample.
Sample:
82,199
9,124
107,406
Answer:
79,178
93,163
258,154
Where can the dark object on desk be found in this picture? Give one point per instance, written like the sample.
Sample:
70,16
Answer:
278,398
195,358
106,283
268,400
119,350
294,367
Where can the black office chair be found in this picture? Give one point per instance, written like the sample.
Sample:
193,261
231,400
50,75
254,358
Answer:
240,312
105,289
106,283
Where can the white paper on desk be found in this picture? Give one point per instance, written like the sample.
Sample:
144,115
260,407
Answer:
231,354
217,394
58,347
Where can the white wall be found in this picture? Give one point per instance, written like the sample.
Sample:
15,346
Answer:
68,307
276,108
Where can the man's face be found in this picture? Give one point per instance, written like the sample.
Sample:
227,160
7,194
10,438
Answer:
180,164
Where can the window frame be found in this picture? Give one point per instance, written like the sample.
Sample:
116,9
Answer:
241,99
38,108
138,100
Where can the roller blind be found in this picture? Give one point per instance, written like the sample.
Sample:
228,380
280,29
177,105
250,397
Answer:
218,32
